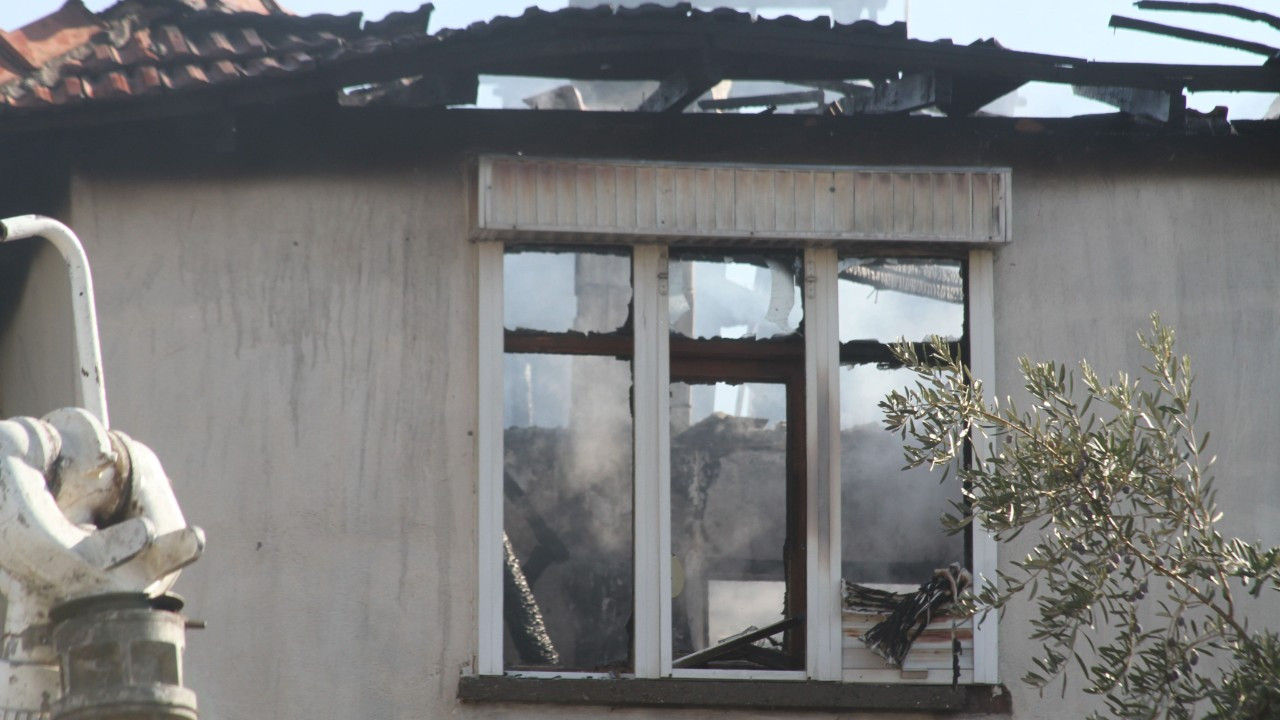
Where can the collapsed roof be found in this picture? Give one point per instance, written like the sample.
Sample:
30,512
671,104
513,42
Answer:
176,56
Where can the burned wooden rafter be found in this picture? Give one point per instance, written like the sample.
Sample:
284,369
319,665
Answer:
911,92
1211,8
1155,105
816,97
678,90
1125,23
929,280
842,87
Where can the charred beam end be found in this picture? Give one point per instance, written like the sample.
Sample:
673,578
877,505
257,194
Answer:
681,88
779,99
1153,104
809,696
1124,23
912,92
970,93
1211,9
426,91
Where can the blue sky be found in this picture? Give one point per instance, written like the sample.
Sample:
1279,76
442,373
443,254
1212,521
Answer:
1066,28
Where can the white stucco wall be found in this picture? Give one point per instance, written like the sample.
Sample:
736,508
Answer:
300,352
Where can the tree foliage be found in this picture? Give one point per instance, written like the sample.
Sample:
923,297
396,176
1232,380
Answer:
1133,585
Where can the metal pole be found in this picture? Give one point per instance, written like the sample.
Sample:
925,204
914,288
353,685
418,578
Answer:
91,393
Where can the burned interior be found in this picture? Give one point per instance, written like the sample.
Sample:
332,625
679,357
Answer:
737,460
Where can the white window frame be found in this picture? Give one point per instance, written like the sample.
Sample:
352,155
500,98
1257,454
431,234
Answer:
652,501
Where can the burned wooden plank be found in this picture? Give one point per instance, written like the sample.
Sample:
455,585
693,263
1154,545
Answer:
678,90
1152,104
564,97
1124,23
432,90
816,97
836,86
873,352
568,343
1211,8
729,647
912,92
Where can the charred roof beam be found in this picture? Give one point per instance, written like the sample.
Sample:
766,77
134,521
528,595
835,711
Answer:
777,100
1158,105
680,89
911,92
1211,8
1124,23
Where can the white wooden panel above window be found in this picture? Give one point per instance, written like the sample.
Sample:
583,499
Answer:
531,199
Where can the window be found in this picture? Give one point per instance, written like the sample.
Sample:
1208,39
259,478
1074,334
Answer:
679,452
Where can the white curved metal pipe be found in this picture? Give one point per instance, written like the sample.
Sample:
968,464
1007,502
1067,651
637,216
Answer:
91,388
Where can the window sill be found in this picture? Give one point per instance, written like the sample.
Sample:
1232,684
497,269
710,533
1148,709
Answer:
684,693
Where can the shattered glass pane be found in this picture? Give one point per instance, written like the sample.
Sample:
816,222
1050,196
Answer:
568,579
566,290
728,523
886,298
890,531
743,295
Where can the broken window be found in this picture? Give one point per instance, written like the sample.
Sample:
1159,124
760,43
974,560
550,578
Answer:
567,462
891,532
695,479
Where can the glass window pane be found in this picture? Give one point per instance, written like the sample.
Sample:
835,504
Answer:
729,525
744,295
567,598
886,298
561,290
890,530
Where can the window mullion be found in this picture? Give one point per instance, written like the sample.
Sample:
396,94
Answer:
651,368
982,363
822,446
489,457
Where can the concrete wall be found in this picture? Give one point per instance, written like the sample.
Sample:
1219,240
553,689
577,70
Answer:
299,351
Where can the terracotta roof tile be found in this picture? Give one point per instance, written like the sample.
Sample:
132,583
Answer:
143,47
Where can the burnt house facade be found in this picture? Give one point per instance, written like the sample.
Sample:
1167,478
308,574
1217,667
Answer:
543,412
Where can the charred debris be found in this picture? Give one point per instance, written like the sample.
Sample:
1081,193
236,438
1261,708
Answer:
151,57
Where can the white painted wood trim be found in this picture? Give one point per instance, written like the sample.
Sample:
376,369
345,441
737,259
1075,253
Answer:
982,363
579,200
652,467
822,410
489,458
